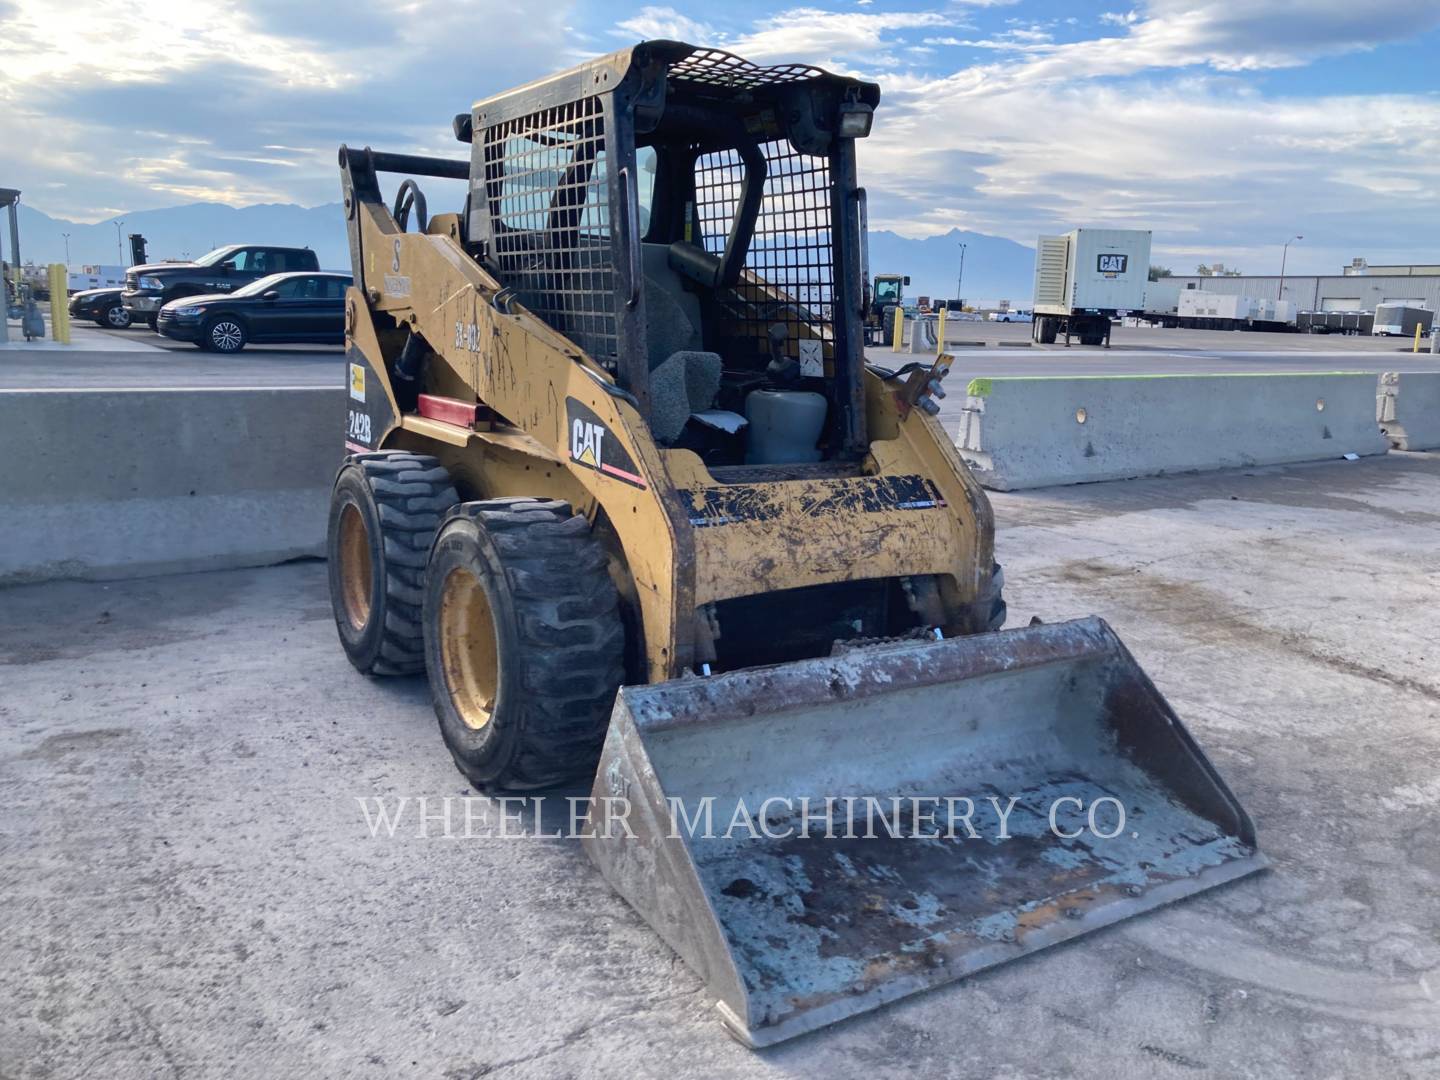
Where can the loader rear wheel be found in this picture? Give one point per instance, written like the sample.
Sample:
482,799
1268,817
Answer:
523,642
383,513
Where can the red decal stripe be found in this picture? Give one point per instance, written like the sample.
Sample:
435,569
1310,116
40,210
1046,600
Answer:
638,481
448,410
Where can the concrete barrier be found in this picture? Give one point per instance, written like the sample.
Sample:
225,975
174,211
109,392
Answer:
1038,432
124,483
1407,407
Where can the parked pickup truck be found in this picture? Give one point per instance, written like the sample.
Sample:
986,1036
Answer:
149,288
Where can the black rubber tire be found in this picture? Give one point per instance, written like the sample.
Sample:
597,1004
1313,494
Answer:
115,317
560,642
1049,329
224,334
401,499
998,609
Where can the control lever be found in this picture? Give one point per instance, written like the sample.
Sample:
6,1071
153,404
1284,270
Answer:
783,369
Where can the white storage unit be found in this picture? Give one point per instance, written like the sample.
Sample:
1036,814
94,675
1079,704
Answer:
1161,298
1092,270
1401,320
1195,304
1229,311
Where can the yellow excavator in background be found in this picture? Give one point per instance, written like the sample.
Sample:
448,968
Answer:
622,484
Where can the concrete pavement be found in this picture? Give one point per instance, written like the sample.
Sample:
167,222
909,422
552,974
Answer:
190,889
138,358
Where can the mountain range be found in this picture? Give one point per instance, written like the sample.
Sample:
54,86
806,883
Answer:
995,268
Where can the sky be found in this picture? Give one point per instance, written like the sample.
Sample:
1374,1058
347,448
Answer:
1225,126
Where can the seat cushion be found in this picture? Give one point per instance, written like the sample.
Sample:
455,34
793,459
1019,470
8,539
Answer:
685,383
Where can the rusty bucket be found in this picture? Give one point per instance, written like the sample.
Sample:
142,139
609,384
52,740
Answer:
818,838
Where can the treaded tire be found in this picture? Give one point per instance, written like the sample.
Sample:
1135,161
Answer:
558,641
399,498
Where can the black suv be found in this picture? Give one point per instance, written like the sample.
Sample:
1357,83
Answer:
281,307
149,288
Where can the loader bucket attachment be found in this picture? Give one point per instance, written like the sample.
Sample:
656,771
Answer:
792,929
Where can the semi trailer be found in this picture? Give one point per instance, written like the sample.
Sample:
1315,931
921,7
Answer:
1086,278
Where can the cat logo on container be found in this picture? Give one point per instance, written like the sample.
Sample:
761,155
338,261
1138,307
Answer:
594,446
357,382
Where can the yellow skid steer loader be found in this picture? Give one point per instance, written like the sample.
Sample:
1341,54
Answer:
622,484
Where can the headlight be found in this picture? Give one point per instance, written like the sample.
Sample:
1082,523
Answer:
186,310
151,283
855,119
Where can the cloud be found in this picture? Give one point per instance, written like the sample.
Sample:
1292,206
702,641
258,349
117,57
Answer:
807,34
1223,35
665,23
93,120
1152,114
1213,171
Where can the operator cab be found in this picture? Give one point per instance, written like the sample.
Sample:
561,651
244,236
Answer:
695,230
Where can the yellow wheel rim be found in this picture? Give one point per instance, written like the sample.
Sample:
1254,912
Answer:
469,652
355,574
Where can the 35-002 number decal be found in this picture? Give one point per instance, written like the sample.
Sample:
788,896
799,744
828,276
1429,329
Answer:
467,336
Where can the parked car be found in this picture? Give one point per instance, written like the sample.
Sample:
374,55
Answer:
1011,316
150,287
102,306
294,307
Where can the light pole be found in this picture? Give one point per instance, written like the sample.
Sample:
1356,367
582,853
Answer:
119,247
66,235
960,281
1283,253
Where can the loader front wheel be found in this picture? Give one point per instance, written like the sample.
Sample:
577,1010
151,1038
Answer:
383,513
524,643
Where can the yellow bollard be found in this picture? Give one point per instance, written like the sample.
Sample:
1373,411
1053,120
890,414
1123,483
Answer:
60,303
899,342
940,331
1416,346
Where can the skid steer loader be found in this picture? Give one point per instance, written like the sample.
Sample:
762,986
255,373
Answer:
622,484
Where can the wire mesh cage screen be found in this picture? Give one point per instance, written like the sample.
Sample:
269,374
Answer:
789,272
712,67
545,180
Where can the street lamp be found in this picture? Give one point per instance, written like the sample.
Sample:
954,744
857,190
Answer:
119,247
1283,253
960,281
66,235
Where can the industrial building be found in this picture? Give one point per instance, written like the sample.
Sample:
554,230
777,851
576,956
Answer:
1359,287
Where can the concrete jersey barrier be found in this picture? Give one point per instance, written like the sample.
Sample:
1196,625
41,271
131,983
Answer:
1407,408
124,483
1038,432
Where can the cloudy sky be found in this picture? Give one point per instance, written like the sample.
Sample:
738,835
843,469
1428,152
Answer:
1223,125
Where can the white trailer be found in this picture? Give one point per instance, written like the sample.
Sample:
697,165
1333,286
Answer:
1086,278
1401,320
